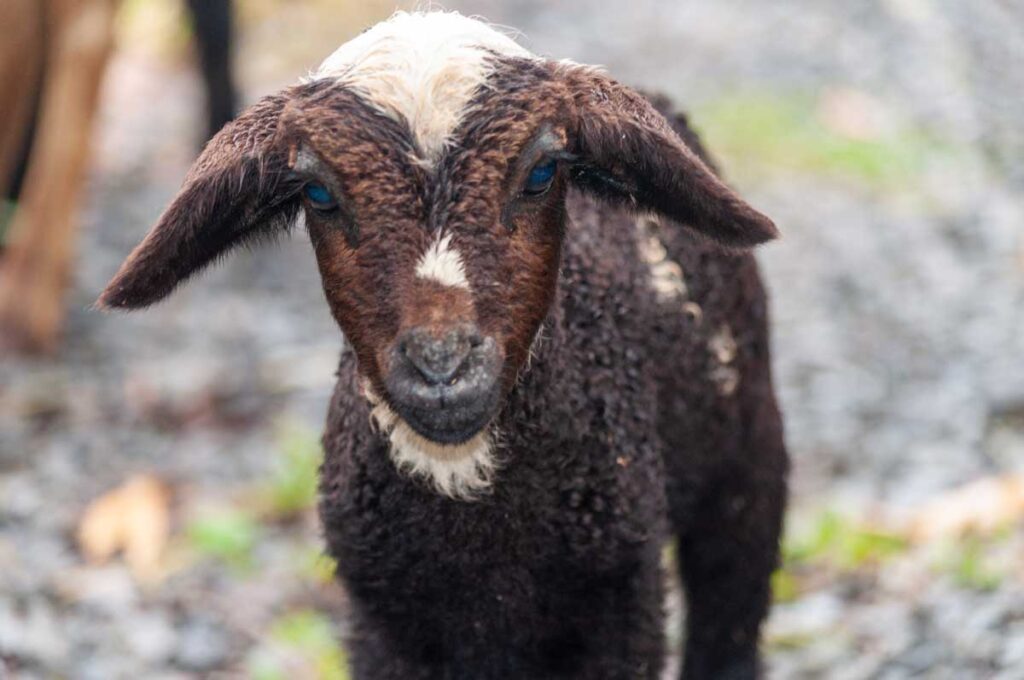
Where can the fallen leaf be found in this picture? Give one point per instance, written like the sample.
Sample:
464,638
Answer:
851,113
981,507
133,519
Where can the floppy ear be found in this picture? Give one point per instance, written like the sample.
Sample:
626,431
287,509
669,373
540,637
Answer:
239,188
628,151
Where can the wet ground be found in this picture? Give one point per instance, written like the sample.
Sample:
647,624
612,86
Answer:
882,137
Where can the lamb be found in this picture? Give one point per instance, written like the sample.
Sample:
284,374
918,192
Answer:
559,354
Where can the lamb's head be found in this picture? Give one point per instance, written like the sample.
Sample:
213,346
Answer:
429,159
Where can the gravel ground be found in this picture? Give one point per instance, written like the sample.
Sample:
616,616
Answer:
898,296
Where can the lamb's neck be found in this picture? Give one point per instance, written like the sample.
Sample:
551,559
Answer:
546,403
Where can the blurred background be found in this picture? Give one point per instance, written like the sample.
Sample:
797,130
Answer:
157,470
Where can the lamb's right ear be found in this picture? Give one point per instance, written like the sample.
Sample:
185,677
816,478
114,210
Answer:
628,151
239,188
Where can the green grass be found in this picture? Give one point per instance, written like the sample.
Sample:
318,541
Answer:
292,487
300,645
841,543
226,535
830,542
759,134
777,642
785,586
969,562
164,26
970,569
316,567
6,216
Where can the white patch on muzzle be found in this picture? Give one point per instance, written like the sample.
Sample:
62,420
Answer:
459,471
442,263
420,68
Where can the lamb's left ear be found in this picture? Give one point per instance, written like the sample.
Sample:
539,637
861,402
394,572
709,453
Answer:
628,151
238,189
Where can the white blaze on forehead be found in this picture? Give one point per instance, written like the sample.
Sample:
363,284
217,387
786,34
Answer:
442,263
420,67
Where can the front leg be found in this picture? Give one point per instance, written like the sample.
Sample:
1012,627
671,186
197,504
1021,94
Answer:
615,630
373,657
728,554
579,628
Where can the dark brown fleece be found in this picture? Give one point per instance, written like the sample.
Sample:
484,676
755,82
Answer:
637,417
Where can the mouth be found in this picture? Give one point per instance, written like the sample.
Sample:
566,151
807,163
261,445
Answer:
445,414
445,401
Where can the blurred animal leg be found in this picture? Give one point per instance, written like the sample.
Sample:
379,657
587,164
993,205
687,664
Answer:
40,248
21,62
213,27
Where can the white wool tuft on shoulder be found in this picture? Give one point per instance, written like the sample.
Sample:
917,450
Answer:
459,471
422,68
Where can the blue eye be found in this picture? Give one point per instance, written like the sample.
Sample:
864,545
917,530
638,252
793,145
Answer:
319,197
540,178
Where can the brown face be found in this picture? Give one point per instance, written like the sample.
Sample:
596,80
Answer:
439,275
430,157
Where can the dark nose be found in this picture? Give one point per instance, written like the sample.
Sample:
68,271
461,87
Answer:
444,382
440,359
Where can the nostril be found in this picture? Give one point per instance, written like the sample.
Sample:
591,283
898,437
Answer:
439,361
440,356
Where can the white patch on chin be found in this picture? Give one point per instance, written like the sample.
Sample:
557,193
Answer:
459,471
421,68
443,264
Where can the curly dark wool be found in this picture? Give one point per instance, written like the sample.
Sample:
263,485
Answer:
607,333
621,422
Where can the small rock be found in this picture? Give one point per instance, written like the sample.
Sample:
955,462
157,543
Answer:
32,633
100,666
811,616
150,636
922,657
19,499
202,645
1012,654
107,589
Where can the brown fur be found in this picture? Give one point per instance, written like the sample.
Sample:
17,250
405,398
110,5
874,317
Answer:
246,184
554,572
